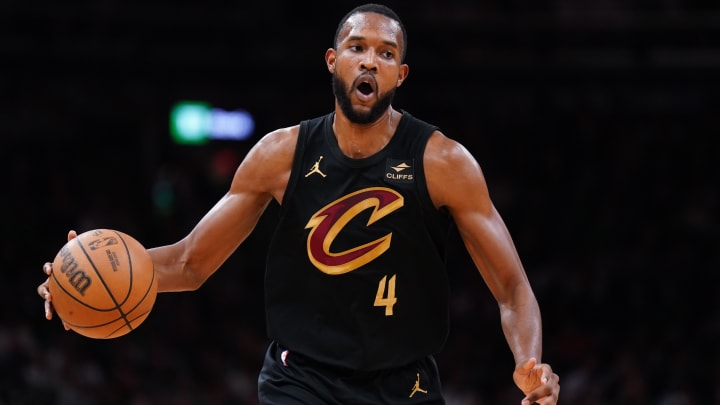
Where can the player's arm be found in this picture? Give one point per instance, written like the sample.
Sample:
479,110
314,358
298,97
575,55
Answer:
186,264
261,177
455,180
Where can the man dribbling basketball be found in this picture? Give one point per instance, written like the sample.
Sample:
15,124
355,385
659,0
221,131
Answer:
357,296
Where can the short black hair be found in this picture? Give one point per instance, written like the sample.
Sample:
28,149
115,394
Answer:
379,9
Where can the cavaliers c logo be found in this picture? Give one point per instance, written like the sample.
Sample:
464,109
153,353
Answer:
327,223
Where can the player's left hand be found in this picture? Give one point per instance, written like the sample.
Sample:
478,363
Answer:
43,290
538,382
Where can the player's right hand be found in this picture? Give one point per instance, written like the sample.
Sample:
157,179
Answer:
43,290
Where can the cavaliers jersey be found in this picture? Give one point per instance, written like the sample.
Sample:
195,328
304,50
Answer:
355,272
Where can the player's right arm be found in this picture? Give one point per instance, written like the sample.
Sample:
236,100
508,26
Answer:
187,263
261,177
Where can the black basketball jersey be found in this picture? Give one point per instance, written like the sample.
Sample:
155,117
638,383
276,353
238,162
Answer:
356,269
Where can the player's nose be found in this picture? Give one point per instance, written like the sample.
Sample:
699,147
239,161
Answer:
369,61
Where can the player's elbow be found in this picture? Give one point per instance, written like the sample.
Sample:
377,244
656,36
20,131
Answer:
180,278
193,279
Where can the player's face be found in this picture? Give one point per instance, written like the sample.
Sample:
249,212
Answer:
366,66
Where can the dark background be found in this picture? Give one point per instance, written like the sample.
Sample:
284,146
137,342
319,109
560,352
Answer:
595,123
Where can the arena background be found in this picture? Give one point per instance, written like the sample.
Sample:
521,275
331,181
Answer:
596,123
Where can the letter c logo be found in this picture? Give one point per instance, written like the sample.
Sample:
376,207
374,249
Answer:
327,223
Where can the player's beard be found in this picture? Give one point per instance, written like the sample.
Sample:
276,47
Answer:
342,95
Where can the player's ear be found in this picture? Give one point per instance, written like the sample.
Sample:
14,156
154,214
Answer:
330,56
403,74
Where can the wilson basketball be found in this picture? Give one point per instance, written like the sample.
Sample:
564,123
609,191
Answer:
103,284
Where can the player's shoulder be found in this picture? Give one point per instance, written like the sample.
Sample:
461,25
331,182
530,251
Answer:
444,150
279,141
441,148
282,135
451,172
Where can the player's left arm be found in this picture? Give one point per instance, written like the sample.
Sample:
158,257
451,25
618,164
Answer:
456,181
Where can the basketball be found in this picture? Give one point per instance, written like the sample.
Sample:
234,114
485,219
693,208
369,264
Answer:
103,284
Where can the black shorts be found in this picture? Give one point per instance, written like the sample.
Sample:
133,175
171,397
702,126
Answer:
289,378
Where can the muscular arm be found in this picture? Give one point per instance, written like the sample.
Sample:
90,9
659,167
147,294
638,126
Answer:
456,181
261,177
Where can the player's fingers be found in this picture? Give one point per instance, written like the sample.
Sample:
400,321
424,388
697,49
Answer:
71,235
48,310
66,326
47,268
43,291
546,394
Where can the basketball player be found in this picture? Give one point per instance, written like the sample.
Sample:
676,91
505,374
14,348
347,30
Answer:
356,289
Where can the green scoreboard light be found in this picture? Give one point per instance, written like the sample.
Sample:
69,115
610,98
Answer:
197,122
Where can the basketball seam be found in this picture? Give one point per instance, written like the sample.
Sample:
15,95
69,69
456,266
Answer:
102,280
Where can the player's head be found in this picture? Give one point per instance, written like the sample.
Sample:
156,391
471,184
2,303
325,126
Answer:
367,62
379,9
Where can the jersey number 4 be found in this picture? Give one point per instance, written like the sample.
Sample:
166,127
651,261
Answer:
389,300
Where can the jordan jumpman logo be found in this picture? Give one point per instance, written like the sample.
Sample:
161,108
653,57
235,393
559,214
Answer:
316,169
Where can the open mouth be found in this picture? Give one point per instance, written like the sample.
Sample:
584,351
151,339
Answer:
365,88
365,85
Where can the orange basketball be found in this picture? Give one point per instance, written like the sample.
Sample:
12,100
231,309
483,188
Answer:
103,284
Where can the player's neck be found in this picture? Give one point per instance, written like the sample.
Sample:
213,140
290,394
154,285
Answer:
362,140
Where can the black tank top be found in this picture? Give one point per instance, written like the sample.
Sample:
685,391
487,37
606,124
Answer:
355,273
